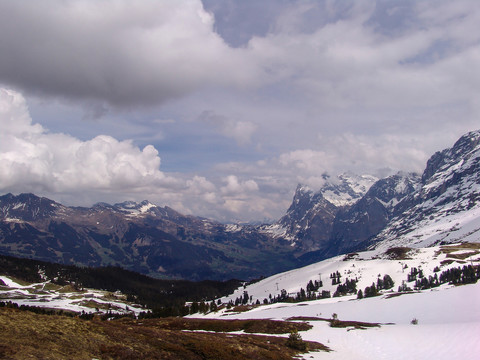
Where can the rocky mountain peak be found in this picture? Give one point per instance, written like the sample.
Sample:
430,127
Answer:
27,207
446,203
310,217
462,149
348,188
392,189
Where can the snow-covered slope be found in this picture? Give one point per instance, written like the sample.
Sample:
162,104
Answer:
446,207
448,325
366,268
52,296
448,316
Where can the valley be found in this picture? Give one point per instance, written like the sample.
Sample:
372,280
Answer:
364,267
349,213
407,318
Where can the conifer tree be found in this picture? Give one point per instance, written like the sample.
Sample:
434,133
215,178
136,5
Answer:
360,294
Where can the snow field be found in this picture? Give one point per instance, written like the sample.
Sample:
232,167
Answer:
448,316
448,325
28,295
367,267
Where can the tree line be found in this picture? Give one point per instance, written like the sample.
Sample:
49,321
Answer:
163,297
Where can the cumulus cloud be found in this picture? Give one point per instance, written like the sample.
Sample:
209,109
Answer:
106,169
236,188
31,156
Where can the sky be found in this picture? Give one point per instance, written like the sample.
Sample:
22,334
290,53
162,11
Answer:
219,108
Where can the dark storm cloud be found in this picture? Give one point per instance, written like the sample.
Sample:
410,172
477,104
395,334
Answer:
120,52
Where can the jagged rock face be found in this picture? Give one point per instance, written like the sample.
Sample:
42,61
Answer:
452,167
310,218
394,209
356,225
463,149
446,204
400,210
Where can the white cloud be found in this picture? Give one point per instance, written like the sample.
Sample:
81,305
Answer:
348,63
236,188
31,156
385,87
33,159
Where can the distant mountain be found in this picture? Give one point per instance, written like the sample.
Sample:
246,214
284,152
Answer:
309,221
405,209
349,213
137,236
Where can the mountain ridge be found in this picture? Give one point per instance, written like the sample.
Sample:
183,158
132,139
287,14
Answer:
137,236
349,213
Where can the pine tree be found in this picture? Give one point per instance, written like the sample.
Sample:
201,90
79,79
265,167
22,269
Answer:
360,294
388,282
295,341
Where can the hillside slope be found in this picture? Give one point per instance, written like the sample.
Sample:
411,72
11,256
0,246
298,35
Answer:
446,207
441,322
137,236
440,206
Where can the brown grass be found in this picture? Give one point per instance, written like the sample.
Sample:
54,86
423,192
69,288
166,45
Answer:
242,308
70,289
248,326
449,250
463,256
398,253
28,335
337,323
446,262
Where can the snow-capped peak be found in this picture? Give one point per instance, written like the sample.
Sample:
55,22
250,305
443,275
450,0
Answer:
135,209
348,189
446,206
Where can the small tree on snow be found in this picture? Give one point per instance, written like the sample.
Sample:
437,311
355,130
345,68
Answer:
360,294
334,322
295,341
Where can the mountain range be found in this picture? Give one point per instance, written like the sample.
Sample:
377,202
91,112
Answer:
349,213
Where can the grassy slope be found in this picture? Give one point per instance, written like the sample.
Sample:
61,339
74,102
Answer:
28,335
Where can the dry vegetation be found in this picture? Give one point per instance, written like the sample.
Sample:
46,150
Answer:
248,326
399,253
452,249
336,322
28,335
